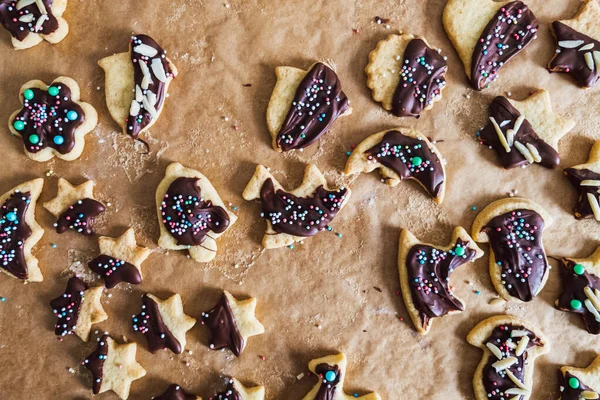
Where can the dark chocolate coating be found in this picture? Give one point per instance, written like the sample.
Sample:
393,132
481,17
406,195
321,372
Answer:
175,392
573,290
568,393
80,217
95,363
583,209
223,328
230,393
114,271
66,306
149,322
9,19
327,388
13,234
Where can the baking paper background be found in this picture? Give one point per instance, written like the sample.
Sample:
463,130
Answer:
320,297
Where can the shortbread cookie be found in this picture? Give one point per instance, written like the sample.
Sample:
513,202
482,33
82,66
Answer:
113,367
510,346
163,322
175,392
231,322
578,41
331,371
586,180
300,213
30,22
137,83
406,75
75,207
237,391
304,105
191,214
120,259
20,231
581,294
425,275
53,121
525,132
487,33
581,383
78,309
399,154
518,264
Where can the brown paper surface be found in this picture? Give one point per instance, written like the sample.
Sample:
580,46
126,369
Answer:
321,297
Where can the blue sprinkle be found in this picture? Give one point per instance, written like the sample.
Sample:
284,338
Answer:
348,153
3,299
235,208
54,245
474,208
11,216
58,140
291,246
330,376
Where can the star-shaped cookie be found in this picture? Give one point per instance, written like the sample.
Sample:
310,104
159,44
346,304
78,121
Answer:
581,383
237,391
176,392
586,180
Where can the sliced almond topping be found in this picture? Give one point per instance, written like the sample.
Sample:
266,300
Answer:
504,364
518,333
149,107
134,110
145,82
590,307
589,60
138,94
592,296
151,97
41,6
534,152
495,350
24,3
516,380
38,24
518,391
511,344
597,293
500,135
590,182
26,18
596,55
588,394
518,123
524,151
145,50
504,123
595,206
159,70
522,346
570,44
510,137
587,47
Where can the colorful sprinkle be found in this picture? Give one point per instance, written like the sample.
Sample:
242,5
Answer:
28,94
19,125
579,269
53,91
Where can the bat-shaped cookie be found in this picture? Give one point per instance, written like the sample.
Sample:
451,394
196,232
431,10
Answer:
581,383
586,180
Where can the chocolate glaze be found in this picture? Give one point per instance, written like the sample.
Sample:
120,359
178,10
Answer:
46,122
114,271
136,123
13,234
572,60
429,272
10,19
421,79
327,388
516,240
175,392
223,328
95,363
501,110
568,393
573,290
188,217
230,393
150,323
66,307
500,41
299,216
80,217
318,102
398,152
583,209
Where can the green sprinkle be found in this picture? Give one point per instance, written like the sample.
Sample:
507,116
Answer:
35,139
53,91
28,94
19,125
574,383
416,161
575,304
459,251
579,269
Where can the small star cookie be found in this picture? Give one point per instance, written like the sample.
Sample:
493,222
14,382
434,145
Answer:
581,383
237,391
586,179
175,392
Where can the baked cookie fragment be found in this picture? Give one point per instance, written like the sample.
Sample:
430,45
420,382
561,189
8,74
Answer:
513,227
586,180
231,322
510,346
331,371
425,275
581,383
176,392
304,105
406,75
53,121
400,154
235,390
294,215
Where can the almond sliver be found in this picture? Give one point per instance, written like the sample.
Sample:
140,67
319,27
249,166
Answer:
504,364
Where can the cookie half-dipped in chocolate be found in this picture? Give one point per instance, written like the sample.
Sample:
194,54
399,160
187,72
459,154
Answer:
580,383
175,392
585,178
235,390
79,217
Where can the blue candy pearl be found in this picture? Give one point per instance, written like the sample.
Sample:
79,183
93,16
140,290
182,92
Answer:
11,216
72,115
58,140
330,376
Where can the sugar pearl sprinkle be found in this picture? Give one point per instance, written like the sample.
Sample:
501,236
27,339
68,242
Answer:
420,90
66,313
29,18
184,206
9,223
78,223
111,266
141,321
434,257
411,155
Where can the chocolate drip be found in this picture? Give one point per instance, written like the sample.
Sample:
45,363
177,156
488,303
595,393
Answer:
330,377
149,99
223,328
570,393
511,29
230,393
187,216
49,118
16,21
318,102
14,231
573,298
421,79
505,116
66,307
516,240
583,209
497,383
150,323
114,270
95,363
299,216
429,272
175,392
571,55
410,158
80,217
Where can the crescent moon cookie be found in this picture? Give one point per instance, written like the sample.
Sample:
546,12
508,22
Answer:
78,309
30,22
425,275
525,132
487,34
331,371
176,392
235,390
20,232
518,264
231,322
510,346
578,41
304,105
300,213
586,180
53,121
191,214
137,83
581,383
406,75
400,154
